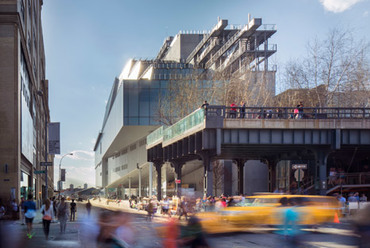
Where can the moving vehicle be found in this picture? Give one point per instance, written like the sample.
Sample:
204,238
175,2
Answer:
267,210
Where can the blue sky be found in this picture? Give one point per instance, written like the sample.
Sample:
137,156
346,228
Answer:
87,43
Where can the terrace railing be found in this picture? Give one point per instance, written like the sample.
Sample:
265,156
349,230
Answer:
290,112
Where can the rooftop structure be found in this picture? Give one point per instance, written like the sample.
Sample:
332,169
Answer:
131,111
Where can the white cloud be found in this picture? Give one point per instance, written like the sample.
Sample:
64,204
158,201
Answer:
83,155
338,6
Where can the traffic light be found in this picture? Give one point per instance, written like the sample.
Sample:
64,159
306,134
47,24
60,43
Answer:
63,175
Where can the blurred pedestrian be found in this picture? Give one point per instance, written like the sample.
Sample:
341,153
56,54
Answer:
88,207
21,210
183,208
29,213
290,218
150,210
166,207
2,210
54,203
115,230
14,210
63,215
172,232
363,198
192,234
47,216
73,207
361,221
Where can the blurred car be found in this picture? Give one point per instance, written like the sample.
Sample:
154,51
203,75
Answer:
266,209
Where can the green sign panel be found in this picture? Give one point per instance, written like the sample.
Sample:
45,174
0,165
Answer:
39,172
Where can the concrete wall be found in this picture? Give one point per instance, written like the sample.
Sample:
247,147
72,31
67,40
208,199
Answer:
9,112
195,177
182,45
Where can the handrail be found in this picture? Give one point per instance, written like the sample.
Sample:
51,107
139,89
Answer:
155,136
291,112
194,119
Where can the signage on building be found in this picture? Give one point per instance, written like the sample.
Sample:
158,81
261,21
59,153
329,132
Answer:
299,166
39,172
46,163
54,138
177,181
63,175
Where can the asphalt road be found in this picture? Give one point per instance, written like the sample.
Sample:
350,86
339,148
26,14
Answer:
82,233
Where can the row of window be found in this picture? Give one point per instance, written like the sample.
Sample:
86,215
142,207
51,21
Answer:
122,167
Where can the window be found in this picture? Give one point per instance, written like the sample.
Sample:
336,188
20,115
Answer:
22,10
142,142
132,147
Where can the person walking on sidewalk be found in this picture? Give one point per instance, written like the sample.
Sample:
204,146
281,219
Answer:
30,213
73,210
63,215
88,208
47,216
21,210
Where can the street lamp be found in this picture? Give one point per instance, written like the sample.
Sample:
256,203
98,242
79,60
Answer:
60,170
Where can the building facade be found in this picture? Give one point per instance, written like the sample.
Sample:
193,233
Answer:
24,99
132,110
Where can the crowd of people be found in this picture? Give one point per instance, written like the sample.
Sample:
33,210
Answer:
239,111
52,209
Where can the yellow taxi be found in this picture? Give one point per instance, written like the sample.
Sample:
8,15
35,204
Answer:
266,209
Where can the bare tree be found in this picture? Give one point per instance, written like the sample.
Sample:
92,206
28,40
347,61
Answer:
183,96
337,62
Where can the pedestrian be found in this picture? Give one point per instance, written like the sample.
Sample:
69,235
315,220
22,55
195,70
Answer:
14,210
21,208
29,213
193,234
73,210
183,209
300,110
233,110
242,109
63,215
166,207
2,209
47,216
363,198
55,206
296,112
205,105
88,207
150,210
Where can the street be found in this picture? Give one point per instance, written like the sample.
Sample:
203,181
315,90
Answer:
83,233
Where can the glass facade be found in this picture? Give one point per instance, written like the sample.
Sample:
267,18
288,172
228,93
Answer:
141,101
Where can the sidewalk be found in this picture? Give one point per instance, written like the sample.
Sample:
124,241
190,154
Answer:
14,234
124,205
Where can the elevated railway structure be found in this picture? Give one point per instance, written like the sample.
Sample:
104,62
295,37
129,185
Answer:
268,134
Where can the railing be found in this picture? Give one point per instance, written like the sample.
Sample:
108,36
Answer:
155,136
194,119
292,112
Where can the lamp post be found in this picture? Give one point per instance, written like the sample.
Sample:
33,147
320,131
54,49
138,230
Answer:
60,170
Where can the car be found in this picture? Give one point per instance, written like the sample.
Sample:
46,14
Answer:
266,210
